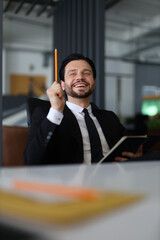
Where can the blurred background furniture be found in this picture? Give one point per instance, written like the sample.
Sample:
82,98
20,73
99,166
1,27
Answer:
13,144
32,103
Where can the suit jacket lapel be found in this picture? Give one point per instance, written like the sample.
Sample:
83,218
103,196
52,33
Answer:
104,125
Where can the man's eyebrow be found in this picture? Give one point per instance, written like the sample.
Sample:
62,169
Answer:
89,70
72,70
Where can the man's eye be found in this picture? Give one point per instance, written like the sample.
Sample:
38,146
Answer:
86,73
72,74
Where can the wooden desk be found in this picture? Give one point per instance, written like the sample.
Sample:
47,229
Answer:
139,221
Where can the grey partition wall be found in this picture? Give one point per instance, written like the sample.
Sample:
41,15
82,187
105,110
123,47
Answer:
79,27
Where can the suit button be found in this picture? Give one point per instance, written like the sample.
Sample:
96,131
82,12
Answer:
48,137
50,133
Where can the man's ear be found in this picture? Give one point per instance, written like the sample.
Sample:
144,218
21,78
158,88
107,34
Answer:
63,85
63,88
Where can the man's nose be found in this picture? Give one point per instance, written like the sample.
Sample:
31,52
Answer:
79,75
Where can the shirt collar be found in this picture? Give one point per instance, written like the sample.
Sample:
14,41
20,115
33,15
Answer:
76,108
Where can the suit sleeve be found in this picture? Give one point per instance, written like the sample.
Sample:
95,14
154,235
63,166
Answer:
40,133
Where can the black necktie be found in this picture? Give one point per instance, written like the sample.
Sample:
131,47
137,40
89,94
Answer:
96,147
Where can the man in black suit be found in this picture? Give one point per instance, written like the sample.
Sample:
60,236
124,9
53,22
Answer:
58,134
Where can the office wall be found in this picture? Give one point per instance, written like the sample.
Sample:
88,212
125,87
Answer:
22,62
29,33
120,87
27,48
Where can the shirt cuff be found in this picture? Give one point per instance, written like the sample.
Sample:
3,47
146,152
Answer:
54,116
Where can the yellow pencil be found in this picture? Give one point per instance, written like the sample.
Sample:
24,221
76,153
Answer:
55,56
55,189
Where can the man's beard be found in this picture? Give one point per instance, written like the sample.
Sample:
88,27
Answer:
70,92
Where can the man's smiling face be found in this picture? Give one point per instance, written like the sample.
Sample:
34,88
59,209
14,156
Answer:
78,79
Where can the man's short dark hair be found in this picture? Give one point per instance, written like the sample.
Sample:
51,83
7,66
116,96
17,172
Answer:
72,57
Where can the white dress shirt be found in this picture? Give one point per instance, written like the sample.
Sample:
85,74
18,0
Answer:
56,117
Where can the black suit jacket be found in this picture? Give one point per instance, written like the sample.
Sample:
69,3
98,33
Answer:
49,143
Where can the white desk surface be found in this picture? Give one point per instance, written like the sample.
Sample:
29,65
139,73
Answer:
140,221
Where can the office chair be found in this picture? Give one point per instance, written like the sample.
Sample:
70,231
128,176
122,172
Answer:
32,103
14,140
